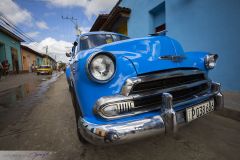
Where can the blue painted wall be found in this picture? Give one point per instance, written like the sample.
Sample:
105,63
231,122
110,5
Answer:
141,19
9,43
209,25
158,16
200,25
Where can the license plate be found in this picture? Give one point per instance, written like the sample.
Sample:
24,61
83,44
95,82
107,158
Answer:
199,110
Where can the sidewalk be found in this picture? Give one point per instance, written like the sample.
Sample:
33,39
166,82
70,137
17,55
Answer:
231,105
232,100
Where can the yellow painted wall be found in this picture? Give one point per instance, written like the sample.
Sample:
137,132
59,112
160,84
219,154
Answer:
123,29
28,59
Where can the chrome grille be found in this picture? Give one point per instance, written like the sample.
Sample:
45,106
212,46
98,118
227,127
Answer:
147,89
160,84
124,107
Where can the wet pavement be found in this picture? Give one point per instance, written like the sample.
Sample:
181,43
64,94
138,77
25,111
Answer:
15,102
49,126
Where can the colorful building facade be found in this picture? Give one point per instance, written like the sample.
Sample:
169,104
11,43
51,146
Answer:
10,49
30,58
115,21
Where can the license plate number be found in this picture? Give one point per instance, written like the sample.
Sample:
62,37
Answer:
199,110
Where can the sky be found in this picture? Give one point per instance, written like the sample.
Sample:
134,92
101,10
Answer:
42,21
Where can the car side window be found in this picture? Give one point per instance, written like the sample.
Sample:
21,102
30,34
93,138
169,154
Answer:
84,43
78,48
115,37
109,38
119,37
123,38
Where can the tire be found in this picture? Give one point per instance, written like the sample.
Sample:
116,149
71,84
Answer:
78,114
69,85
37,73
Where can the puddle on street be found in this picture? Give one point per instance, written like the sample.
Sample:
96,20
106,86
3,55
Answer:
10,97
13,97
17,102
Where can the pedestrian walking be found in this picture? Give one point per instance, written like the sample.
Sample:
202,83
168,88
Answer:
6,66
32,68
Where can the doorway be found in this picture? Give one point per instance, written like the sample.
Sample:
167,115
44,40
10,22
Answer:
15,62
2,52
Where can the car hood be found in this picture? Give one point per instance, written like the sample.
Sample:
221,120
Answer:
152,54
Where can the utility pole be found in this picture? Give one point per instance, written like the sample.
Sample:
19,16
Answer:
46,59
74,21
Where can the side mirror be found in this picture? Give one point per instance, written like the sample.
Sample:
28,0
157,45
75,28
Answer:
74,48
68,54
75,43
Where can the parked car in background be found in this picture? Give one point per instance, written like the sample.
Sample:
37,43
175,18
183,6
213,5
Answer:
125,89
44,69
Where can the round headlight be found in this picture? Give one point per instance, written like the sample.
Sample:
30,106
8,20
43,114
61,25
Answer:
210,61
101,67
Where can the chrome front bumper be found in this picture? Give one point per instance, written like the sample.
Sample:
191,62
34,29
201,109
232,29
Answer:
165,122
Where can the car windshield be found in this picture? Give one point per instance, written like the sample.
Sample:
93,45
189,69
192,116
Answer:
91,41
44,67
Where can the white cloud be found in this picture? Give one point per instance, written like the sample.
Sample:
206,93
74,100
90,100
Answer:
33,34
56,48
91,7
42,25
14,13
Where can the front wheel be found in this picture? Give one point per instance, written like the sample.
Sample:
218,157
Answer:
78,114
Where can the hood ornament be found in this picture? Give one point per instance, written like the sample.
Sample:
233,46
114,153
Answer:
174,58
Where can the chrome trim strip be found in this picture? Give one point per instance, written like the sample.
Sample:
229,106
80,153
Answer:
127,87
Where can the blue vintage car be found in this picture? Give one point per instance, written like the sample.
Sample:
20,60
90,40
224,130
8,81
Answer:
125,89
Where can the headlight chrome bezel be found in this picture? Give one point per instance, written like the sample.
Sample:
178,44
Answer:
88,65
210,58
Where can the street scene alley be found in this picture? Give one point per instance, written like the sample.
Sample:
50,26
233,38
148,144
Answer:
119,80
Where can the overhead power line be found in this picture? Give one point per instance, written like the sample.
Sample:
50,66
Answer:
75,22
9,25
